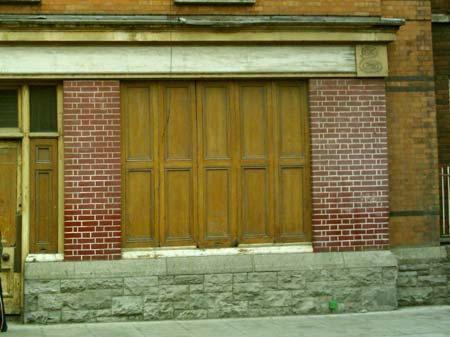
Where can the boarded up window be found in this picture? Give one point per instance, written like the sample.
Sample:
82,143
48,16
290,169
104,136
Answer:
9,113
215,163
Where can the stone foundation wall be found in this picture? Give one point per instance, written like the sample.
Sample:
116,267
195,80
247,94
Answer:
209,286
424,276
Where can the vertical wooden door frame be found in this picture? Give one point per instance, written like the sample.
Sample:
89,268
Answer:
174,164
210,164
24,116
243,163
21,134
151,165
25,113
26,155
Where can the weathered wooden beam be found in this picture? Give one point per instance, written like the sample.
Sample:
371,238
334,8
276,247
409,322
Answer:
166,61
200,20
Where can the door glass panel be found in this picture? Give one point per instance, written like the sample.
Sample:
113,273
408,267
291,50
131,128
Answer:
43,109
9,112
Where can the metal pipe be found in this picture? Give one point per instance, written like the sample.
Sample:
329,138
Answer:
448,200
443,200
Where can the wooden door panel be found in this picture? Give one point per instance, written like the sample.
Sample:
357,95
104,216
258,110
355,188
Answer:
217,204
217,177
216,121
291,157
254,119
139,170
43,204
255,203
139,123
44,196
8,192
9,208
179,205
291,201
254,162
140,206
178,165
177,122
291,124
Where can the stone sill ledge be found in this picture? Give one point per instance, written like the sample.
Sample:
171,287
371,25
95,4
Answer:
212,264
441,18
193,251
44,258
424,253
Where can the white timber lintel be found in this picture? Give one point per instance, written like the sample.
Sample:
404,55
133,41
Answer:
28,61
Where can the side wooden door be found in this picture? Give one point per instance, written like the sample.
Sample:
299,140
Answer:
178,165
10,224
139,165
216,164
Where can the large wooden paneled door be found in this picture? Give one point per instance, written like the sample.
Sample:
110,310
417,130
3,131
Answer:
215,163
10,224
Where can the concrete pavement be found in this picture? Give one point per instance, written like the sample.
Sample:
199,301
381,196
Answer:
431,321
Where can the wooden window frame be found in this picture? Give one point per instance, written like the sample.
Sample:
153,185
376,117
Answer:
16,132
23,134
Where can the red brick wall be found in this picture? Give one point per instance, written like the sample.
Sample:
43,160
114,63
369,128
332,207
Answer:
92,180
349,164
287,7
410,101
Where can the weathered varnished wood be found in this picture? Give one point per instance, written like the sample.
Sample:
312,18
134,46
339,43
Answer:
162,60
138,165
44,196
291,161
216,171
229,163
10,200
8,191
178,164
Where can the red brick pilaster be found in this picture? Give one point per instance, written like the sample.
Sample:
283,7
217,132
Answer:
92,179
349,164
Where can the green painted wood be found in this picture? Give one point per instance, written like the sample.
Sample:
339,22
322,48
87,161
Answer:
43,109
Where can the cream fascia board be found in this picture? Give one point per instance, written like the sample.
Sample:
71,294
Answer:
140,76
197,36
166,61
